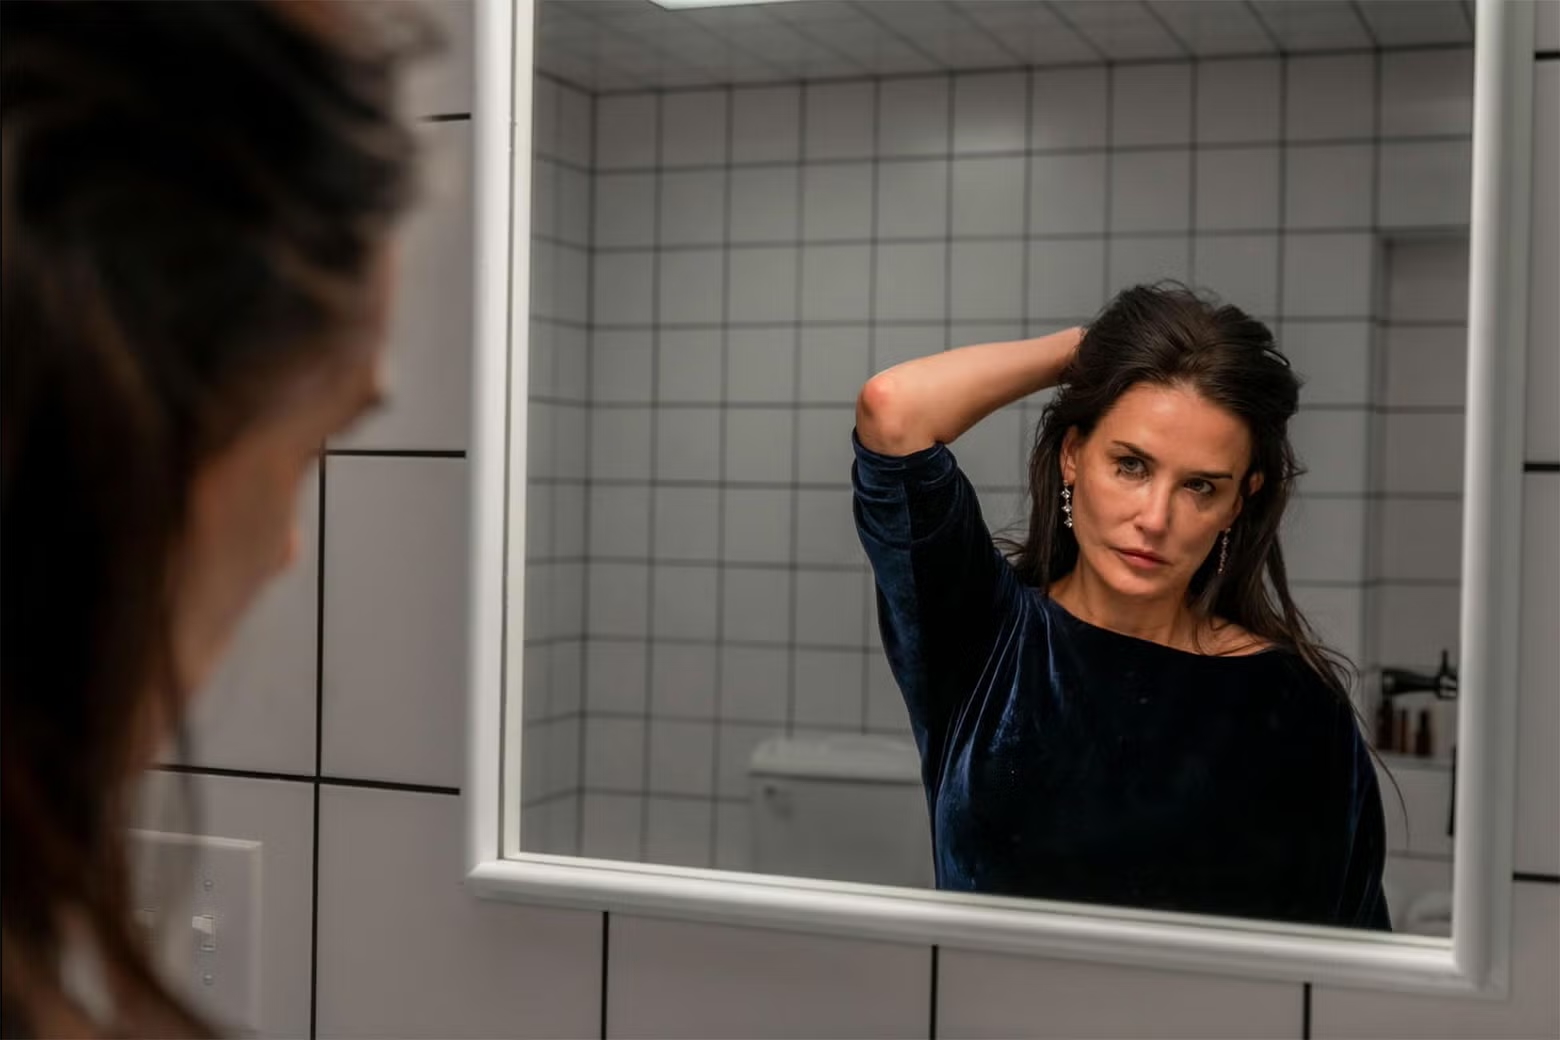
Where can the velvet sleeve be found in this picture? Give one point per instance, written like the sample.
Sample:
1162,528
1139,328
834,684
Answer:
943,589
1362,902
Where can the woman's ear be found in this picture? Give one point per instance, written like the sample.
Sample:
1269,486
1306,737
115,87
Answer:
1253,485
1069,455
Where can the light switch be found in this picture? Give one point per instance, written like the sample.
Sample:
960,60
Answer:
205,926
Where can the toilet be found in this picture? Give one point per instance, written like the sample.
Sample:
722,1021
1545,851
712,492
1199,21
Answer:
845,807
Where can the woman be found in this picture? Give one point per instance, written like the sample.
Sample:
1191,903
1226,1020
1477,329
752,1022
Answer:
197,204
1130,710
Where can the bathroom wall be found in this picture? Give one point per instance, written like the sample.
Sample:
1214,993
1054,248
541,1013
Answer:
367,931
757,252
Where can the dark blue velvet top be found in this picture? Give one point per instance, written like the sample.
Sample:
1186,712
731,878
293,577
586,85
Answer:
1066,761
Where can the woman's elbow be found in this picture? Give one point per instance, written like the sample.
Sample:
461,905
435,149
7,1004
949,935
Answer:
882,420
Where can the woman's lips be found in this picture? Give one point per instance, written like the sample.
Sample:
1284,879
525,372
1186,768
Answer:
1142,561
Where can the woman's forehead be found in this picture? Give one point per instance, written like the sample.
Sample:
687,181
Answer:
1178,426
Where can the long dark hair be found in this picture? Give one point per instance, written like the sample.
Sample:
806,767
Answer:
1167,334
193,196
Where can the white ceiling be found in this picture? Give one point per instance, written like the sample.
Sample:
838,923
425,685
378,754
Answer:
636,44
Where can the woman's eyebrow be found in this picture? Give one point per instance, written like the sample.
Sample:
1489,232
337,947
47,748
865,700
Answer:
1146,457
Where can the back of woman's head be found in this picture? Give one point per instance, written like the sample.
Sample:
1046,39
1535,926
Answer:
193,199
1167,335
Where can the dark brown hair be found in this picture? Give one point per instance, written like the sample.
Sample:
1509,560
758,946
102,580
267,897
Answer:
192,198
1166,334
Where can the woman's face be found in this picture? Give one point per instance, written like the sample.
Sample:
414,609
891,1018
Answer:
1153,486
243,507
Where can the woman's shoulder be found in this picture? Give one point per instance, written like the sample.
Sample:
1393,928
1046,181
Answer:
1224,638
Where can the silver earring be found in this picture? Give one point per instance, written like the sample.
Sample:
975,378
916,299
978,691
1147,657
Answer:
1067,505
1224,550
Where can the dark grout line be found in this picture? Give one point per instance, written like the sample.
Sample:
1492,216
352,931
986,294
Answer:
1537,879
1541,467
931,1028
301,778
319,751
606,946
395,453
1305,1012
446,117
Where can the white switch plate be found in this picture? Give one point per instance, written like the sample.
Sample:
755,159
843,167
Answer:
200,896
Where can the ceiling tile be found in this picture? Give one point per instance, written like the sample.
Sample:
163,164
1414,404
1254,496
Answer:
1312,25
1408,23
1122,31
1211,30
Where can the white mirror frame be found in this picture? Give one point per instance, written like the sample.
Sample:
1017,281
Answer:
1475,961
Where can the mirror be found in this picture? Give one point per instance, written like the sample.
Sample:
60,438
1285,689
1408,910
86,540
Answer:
740,213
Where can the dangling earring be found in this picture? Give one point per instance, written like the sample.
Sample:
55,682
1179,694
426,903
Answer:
1224,550
1067,505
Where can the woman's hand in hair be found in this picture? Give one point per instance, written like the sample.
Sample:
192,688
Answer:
934,399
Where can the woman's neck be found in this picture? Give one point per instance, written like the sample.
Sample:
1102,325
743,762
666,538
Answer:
1165,620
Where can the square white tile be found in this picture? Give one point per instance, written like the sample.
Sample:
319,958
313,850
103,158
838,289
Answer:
756,605
682,680
1424,452
1237,189
280,816
911,281
624,210
1426,184
686,523
1427,279
620,521
753,683
1067,193
733,836
621,369
912,116
836,202
989,112
544,116
429,343
762,284
1238,101
766,124
1151,104
1242,269
1066,278
1338,614
386,860
761,365
687,444
839,121
257,710
833,364
1543,410
825,529
987,281
912,199
1538,708
619,443
693,207
990,452
1330,96
1329,186
1328,275
1069,108
676,979
394,619
1150,191
1419,538
836,283
612,826
830,610
688,366
574,207
622,288
1426,366
1427,92
441,84
893,344
686,605
1324,540
1415,623
682,757
693,128
614,754
991,995
615,674
576,125
759,444
691,285
679,831
619,599
885,704
626,127
757,524
764,204
1530,1010
827,689
988,196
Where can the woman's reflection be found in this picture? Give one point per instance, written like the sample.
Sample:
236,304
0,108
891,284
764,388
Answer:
1128,707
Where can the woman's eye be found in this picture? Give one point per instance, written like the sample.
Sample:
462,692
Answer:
1201,487
1129,465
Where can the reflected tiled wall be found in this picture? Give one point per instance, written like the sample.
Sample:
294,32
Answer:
758,252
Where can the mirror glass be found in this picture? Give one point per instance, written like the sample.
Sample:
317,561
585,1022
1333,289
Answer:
743,212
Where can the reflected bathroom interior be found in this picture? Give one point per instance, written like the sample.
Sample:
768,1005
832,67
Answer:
741,214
